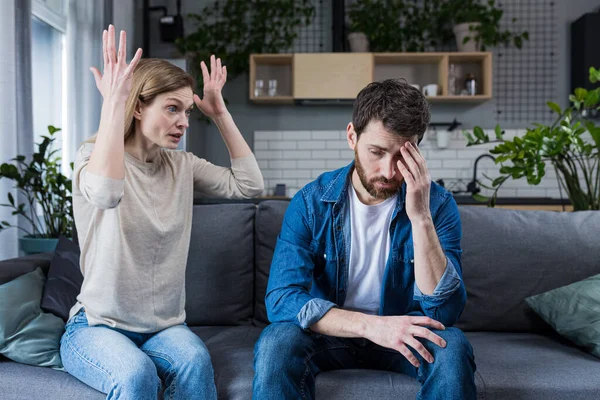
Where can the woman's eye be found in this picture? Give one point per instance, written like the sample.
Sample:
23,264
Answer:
188,112
172,109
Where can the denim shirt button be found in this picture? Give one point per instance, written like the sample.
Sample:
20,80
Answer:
339,227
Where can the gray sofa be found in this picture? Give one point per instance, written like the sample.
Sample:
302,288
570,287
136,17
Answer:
507,256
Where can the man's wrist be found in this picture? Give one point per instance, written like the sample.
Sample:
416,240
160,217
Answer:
423,222
366,324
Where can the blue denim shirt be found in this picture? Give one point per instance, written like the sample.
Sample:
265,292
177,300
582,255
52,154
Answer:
309,271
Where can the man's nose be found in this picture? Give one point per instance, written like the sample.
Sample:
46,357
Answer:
389,170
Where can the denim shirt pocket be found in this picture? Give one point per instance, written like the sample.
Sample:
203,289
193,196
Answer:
404,262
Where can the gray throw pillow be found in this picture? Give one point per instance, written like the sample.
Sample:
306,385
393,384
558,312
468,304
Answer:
28,335
573,312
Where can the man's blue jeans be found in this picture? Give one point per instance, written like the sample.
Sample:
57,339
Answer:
127,365
287,359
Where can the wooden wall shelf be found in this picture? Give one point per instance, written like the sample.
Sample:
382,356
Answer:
340,76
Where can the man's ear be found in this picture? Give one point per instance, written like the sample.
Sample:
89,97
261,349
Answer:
351,136
137,112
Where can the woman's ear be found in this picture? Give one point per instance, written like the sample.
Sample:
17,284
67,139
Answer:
137,112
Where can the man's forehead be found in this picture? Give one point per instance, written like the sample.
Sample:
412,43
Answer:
387,140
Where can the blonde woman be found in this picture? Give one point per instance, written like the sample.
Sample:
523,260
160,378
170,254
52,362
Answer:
132,202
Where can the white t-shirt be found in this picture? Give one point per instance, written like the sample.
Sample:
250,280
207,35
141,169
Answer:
369,251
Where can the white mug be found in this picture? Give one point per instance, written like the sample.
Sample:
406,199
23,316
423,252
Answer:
430,90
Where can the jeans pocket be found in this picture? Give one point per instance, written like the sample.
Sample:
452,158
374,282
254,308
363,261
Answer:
79,318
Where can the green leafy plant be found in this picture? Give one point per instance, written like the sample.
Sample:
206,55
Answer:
571,145
488,33
398,25
42,185
233,29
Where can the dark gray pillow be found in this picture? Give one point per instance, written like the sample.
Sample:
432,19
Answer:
64,280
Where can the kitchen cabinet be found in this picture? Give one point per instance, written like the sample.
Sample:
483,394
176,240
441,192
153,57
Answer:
303,77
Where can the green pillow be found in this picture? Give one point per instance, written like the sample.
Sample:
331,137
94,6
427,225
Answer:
28,335
573,311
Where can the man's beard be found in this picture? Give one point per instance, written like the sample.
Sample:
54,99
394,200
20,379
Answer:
378,193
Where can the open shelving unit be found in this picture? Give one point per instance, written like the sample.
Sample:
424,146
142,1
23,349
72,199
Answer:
319,76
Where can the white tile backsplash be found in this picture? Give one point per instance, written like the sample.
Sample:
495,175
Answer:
295,158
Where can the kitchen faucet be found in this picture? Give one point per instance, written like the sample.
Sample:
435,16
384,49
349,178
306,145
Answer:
472,186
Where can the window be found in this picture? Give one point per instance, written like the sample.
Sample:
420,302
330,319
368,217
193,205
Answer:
48,67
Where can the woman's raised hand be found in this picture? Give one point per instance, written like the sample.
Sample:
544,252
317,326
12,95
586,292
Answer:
115,82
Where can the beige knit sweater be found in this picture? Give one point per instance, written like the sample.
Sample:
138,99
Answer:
134,234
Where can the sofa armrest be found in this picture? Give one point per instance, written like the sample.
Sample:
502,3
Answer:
15,267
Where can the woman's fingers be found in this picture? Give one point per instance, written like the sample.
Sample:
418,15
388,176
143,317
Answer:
97,76
105,46
205,74
224,73
134,62
219,70
213,67
122,48
111,44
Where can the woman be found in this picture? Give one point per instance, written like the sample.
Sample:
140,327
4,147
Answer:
132,202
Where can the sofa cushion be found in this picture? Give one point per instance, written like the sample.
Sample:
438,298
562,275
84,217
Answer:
509,255
27,334
573,311
20,381
532,366
269,218
220,267
64,280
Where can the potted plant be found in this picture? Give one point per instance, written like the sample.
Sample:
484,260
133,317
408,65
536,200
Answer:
394,25
47,205
476,25
571,145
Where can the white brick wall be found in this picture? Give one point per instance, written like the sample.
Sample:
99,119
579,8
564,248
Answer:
295,158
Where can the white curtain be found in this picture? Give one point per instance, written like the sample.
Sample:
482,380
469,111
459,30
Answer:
85,23
16,132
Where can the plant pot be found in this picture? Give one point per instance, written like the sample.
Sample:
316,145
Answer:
33,245
358,42
463,30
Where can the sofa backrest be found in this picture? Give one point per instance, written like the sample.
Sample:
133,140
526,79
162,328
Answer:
220,267
509,255
269,217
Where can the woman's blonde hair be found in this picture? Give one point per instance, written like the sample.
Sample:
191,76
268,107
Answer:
151,77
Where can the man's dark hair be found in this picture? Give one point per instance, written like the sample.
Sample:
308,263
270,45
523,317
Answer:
401,108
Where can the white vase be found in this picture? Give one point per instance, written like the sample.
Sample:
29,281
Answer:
358,42
463,30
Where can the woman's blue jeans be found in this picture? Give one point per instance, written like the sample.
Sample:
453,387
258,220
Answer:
127,365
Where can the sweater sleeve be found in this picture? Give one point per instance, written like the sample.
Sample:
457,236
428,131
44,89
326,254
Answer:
100,191
243,180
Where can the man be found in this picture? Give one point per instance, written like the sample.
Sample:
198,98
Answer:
367,268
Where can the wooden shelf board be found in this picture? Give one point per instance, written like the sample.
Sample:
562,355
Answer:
273,100
408,58
457,57
459,99
273,59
